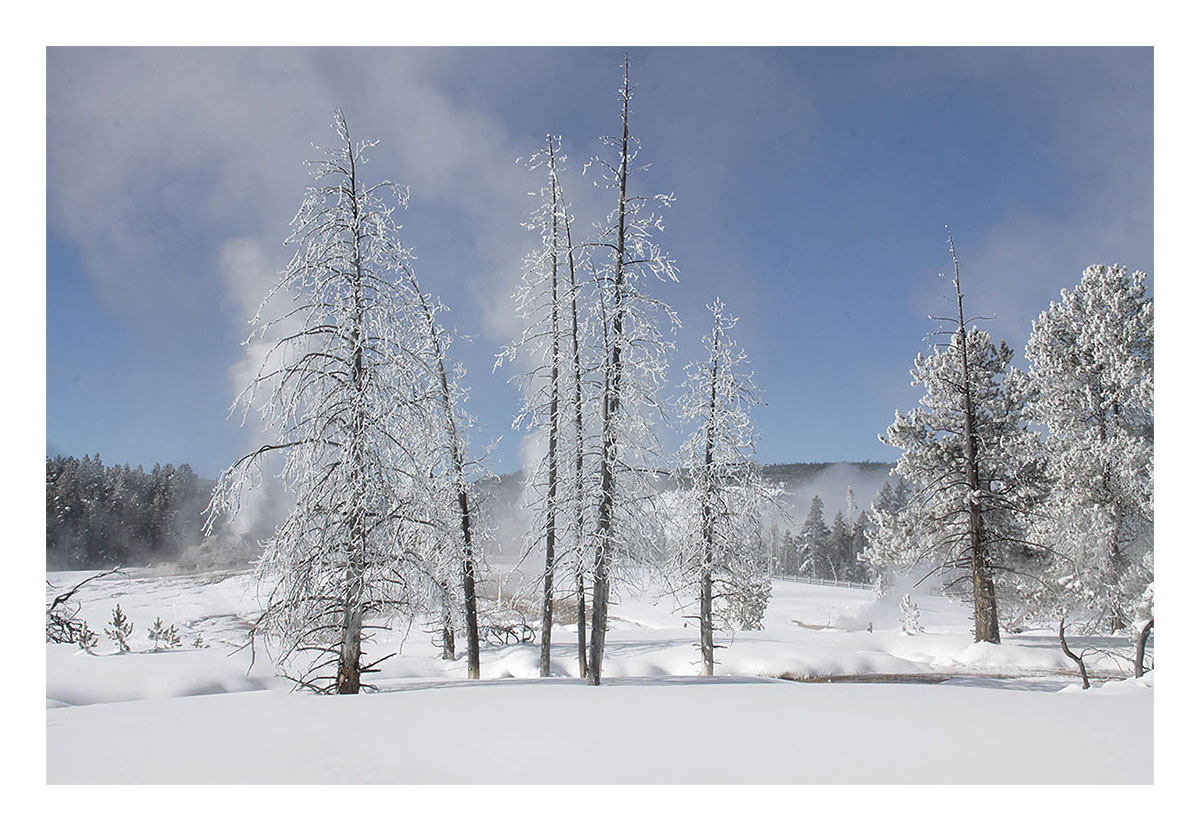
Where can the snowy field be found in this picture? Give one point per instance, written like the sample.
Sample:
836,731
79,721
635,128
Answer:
204,715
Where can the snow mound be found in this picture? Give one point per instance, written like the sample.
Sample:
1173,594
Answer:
75,678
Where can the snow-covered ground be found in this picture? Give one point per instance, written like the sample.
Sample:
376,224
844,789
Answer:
1012,713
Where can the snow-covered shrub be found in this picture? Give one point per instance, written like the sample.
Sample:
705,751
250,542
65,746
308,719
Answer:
745,601
910,616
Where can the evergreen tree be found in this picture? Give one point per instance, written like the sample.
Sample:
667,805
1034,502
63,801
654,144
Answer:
162,636
119,629
858,547
973,464
1091,384
813,543
841,542
910,616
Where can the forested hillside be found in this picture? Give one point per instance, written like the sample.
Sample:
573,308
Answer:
105,515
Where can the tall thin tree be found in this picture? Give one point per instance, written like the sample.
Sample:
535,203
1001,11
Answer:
635,353
723,558
446,397
539,299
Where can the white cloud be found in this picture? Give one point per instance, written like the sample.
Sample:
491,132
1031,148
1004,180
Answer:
160,158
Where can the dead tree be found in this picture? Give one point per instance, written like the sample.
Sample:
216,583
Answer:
446,396
333,387
721,557
634,357
577,453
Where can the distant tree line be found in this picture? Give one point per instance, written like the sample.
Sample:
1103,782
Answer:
101,515
835,550
800,472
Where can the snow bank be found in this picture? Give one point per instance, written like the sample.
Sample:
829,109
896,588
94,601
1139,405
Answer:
669,731
75,678
202,715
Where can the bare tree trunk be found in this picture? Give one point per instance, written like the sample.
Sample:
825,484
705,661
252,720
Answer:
349,671
987,622
470,604
609,412
581,623
1139,664
350,654
1062,639
707,522
455,452
706,623
1117,566
576,361
447,626
552,457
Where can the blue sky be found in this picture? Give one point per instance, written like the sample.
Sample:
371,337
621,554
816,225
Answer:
812,188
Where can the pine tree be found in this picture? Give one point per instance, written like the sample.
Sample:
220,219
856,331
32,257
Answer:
910,616
452,491
858,546
841,541
1091,384
162,636
973,464
814,543
119,629
86,638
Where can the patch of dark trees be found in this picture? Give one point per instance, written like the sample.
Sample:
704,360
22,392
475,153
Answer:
99,516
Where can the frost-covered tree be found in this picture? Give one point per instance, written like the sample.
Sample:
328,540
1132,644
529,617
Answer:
579,452
858,547
910,616
635,362
722,559
546,299
1091,385
973,466
335,388
449,503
